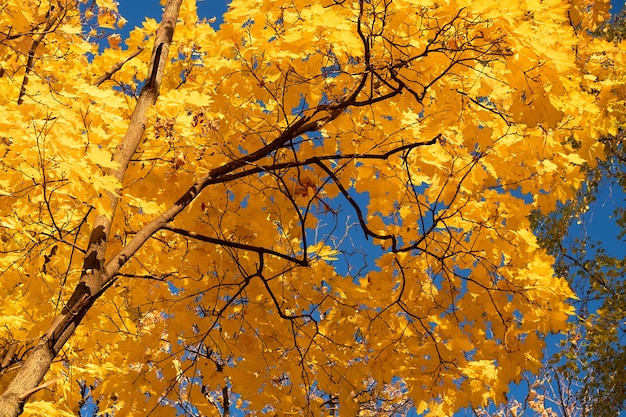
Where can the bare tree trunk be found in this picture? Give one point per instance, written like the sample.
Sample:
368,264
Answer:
95,277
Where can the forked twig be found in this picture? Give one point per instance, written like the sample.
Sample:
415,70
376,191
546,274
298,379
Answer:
118,66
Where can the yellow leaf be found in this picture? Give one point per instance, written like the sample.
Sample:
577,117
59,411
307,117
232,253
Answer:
101,157
106,19
323,251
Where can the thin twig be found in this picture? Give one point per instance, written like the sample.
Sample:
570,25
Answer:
118,66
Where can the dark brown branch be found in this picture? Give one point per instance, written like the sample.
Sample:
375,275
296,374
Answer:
258,249
277,304
355,206
443,216
489,109
368,232
225,401
314,160
30,62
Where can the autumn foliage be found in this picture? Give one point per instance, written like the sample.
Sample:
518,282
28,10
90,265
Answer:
317,208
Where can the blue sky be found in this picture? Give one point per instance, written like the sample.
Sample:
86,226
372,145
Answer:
135,11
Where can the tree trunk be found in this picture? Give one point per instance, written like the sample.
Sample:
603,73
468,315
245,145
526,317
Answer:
95,278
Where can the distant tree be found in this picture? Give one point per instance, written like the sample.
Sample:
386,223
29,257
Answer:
613,30
589,373
586,377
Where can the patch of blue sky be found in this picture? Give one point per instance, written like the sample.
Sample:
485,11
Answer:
301,107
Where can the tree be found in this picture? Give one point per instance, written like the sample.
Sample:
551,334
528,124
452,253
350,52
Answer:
198,205
585,376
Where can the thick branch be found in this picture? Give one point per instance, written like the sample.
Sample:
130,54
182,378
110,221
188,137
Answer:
304,124
92,280
308,123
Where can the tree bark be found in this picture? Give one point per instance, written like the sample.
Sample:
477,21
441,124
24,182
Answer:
94,279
